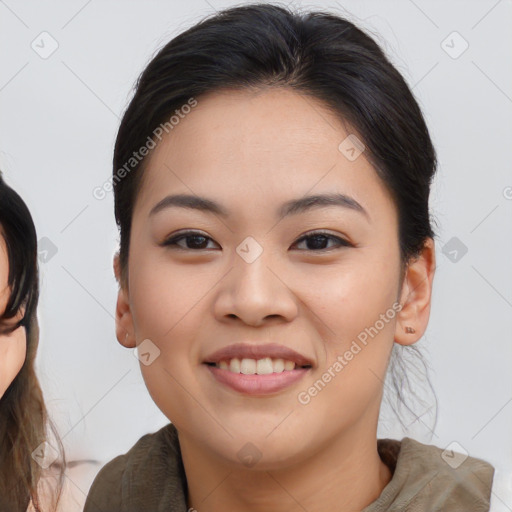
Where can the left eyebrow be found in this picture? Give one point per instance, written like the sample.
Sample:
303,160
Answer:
296,206
292,207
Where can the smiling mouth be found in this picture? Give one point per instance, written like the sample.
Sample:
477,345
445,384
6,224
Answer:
264,366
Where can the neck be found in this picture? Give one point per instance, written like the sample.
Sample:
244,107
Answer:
345,475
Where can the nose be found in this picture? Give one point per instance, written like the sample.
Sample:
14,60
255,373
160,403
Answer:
255,293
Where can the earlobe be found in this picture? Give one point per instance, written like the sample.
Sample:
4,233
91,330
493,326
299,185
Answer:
416,296
124,321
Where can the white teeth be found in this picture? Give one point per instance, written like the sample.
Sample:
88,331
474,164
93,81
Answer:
234,365
289,365
248,366
278,365
263,366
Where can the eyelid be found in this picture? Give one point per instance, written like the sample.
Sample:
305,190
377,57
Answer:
173,239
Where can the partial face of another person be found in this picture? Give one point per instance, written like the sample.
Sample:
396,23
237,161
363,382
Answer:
13,343
252,271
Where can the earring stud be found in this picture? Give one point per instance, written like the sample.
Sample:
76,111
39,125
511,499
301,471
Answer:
410,330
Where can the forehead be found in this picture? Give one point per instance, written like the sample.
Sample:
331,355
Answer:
269,128
259,143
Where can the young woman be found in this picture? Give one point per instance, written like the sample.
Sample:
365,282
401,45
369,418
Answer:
27,480
272,177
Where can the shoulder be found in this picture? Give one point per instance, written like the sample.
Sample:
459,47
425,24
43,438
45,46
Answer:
427,477
450,475
64,490
140,475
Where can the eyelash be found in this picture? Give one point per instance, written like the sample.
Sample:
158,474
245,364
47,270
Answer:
189,234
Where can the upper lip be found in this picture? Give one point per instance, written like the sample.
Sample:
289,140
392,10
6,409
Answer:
245,350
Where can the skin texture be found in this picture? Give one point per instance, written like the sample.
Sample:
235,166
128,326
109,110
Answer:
13,346
251,152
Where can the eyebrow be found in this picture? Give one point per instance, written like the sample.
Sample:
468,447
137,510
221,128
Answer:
292,207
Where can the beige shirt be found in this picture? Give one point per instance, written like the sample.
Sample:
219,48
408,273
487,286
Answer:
77,481
150,477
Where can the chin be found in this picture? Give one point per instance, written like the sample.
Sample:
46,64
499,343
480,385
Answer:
258,451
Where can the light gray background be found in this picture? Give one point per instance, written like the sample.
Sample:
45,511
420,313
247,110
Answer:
59,117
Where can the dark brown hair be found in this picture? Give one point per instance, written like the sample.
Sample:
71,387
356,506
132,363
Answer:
319,54
315,53
24,423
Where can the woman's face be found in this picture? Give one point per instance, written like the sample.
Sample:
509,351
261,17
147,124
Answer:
254,279
13,345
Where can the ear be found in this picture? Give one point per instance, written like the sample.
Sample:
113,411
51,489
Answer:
415,296
125,332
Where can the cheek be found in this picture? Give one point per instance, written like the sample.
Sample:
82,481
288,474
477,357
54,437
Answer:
163,297
348,298
357,324
12,356
166,309
356,318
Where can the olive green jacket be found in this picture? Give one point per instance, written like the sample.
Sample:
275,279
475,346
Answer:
151,478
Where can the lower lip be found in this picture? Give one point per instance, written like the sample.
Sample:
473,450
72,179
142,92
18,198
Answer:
257,384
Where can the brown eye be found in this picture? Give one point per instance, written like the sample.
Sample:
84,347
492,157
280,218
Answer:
193,241
316,241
